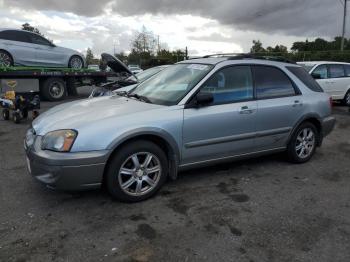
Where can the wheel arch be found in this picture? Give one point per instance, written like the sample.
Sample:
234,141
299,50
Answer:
78,55
315,120
160,137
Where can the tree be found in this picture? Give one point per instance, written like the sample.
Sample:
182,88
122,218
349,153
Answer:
257,47
144,42
30,28
89,56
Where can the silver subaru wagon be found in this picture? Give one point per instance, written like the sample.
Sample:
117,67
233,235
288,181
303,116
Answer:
195,113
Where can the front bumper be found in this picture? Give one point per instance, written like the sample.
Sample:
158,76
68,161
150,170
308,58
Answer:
328,125
66,171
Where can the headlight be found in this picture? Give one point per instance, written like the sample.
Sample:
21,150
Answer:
59,141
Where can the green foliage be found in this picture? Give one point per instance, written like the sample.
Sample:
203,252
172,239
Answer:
89,57
317,50
30,28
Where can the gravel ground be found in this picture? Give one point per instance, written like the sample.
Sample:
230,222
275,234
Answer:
263,209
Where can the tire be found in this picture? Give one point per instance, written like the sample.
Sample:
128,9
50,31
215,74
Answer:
5,114
303,143
6,59
53,89
141,185
25,113
76,62
16,117
346,100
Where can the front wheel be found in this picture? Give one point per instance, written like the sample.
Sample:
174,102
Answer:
137,171
76,62
303,143
346,100
6,114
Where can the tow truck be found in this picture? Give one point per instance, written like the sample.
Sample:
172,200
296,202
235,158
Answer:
54,84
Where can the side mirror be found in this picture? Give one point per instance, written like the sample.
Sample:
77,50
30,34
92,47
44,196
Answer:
316,76
201,99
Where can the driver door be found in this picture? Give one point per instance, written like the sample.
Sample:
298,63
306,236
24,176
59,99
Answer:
226,127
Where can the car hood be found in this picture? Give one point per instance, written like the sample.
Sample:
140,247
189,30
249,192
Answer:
115,64
79,114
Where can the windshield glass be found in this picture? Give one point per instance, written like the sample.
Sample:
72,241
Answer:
143,76
307,67
172,84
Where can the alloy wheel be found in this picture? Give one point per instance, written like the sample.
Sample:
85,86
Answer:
140,174
5,59
305,143
76,63
347,99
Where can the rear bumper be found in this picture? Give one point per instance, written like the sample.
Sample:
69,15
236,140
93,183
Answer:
328,125
66,171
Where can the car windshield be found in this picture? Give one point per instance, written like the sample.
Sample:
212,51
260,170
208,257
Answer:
307,67
143,76
170,85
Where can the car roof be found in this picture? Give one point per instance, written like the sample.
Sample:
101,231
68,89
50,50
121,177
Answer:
239,59
18,30
321,62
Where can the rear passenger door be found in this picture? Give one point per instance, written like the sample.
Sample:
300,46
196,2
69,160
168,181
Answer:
280,106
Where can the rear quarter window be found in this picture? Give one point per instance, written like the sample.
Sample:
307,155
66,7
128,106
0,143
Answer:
306,78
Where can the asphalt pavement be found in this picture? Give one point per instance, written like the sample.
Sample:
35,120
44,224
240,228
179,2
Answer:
263,209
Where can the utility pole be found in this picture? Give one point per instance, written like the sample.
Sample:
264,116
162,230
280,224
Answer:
344,25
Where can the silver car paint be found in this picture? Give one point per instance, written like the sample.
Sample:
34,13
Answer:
29,54
197,135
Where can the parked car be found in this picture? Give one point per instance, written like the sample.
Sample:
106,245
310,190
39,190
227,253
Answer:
125,84
94,67
333,77
135,69
195,113
24,48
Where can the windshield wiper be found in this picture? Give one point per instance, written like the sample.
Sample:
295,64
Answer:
141,98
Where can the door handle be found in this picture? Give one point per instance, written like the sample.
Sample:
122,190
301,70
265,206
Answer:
330,82
297,103
245,110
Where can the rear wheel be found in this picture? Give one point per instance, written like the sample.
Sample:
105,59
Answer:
5,59
53,89
137,171
303,143
76,62
16,117
5,114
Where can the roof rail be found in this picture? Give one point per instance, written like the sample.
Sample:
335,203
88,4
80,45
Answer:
238,56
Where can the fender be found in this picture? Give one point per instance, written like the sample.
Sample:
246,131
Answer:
174,157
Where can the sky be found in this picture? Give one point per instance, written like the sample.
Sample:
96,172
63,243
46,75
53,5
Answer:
205,27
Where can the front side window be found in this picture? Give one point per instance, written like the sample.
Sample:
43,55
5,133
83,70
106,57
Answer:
231,84
336,71
271,82
39,40
321,71
169,86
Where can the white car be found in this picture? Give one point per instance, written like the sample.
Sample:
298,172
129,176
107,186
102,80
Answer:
135,69
23,48
333,77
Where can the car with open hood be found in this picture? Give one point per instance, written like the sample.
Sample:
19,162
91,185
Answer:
195,113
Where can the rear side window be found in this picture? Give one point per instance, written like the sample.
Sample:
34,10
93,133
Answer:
305,77
271,82
13,35
37,39
336,71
